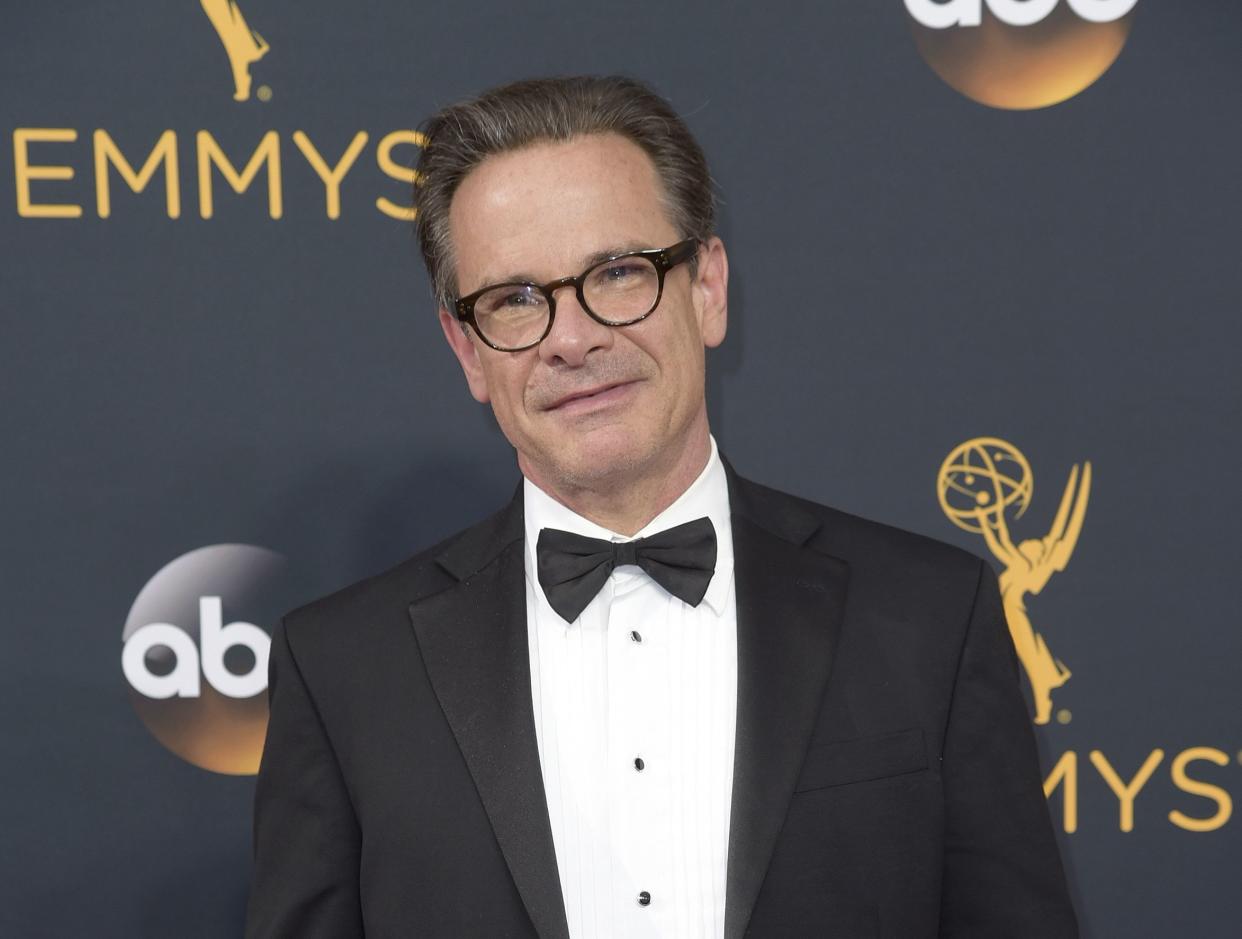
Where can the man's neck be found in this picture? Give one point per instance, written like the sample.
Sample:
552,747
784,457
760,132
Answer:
627,507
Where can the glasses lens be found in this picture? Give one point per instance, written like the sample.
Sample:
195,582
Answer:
512,315
623,290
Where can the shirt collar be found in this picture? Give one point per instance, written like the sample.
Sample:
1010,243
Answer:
707,496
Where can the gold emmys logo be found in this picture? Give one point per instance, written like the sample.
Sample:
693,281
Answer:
1020,54
243,45
980,482
213,162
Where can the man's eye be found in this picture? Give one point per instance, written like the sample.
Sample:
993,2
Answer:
624,273
509,300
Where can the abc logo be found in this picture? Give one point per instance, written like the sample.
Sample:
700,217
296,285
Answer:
1020,54
195,660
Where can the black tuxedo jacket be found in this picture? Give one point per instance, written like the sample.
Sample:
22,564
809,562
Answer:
885,782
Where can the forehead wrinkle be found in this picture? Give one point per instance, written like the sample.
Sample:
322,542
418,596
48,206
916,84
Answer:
511,205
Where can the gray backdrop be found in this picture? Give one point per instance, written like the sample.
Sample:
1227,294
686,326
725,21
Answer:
911,270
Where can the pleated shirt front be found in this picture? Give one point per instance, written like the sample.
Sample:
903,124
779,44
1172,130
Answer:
635,709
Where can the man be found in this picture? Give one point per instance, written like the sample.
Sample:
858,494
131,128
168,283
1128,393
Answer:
648,697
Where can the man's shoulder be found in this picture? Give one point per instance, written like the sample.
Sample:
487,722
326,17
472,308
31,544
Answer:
865,544
376,599
910,590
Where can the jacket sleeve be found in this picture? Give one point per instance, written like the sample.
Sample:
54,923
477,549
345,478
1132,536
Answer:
1002,869
306,835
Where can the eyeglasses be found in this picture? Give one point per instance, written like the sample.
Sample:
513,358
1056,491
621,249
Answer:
617,291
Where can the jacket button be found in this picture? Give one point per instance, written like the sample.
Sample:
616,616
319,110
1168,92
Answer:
644,899
635,636
638,763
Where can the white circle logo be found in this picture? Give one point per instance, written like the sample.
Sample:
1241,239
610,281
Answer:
195,658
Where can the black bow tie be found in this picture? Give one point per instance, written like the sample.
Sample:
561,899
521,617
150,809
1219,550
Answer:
572,568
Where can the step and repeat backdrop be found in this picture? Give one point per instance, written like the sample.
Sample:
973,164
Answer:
986,285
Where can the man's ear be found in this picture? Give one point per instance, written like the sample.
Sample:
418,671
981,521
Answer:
711,292
467,352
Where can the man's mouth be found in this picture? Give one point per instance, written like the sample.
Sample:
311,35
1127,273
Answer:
587,396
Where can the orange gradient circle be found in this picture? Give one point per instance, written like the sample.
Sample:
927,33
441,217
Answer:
1020,68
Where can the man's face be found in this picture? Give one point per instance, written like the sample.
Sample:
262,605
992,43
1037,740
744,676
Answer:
591,405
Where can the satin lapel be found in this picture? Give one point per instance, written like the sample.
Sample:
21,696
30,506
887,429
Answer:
790,601
473,641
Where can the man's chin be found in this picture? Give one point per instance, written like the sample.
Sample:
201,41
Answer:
598,457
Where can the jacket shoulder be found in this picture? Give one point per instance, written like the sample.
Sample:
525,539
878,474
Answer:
384,597
870,545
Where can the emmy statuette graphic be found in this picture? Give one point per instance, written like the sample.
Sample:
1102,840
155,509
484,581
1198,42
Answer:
243,45
981,481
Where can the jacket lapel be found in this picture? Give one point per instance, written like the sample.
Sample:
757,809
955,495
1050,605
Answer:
790,602
474,643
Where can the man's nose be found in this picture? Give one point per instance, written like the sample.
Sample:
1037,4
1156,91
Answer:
574,333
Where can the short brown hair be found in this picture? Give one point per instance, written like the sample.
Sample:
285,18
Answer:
510,117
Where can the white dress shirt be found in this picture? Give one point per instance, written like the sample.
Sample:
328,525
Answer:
640,675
